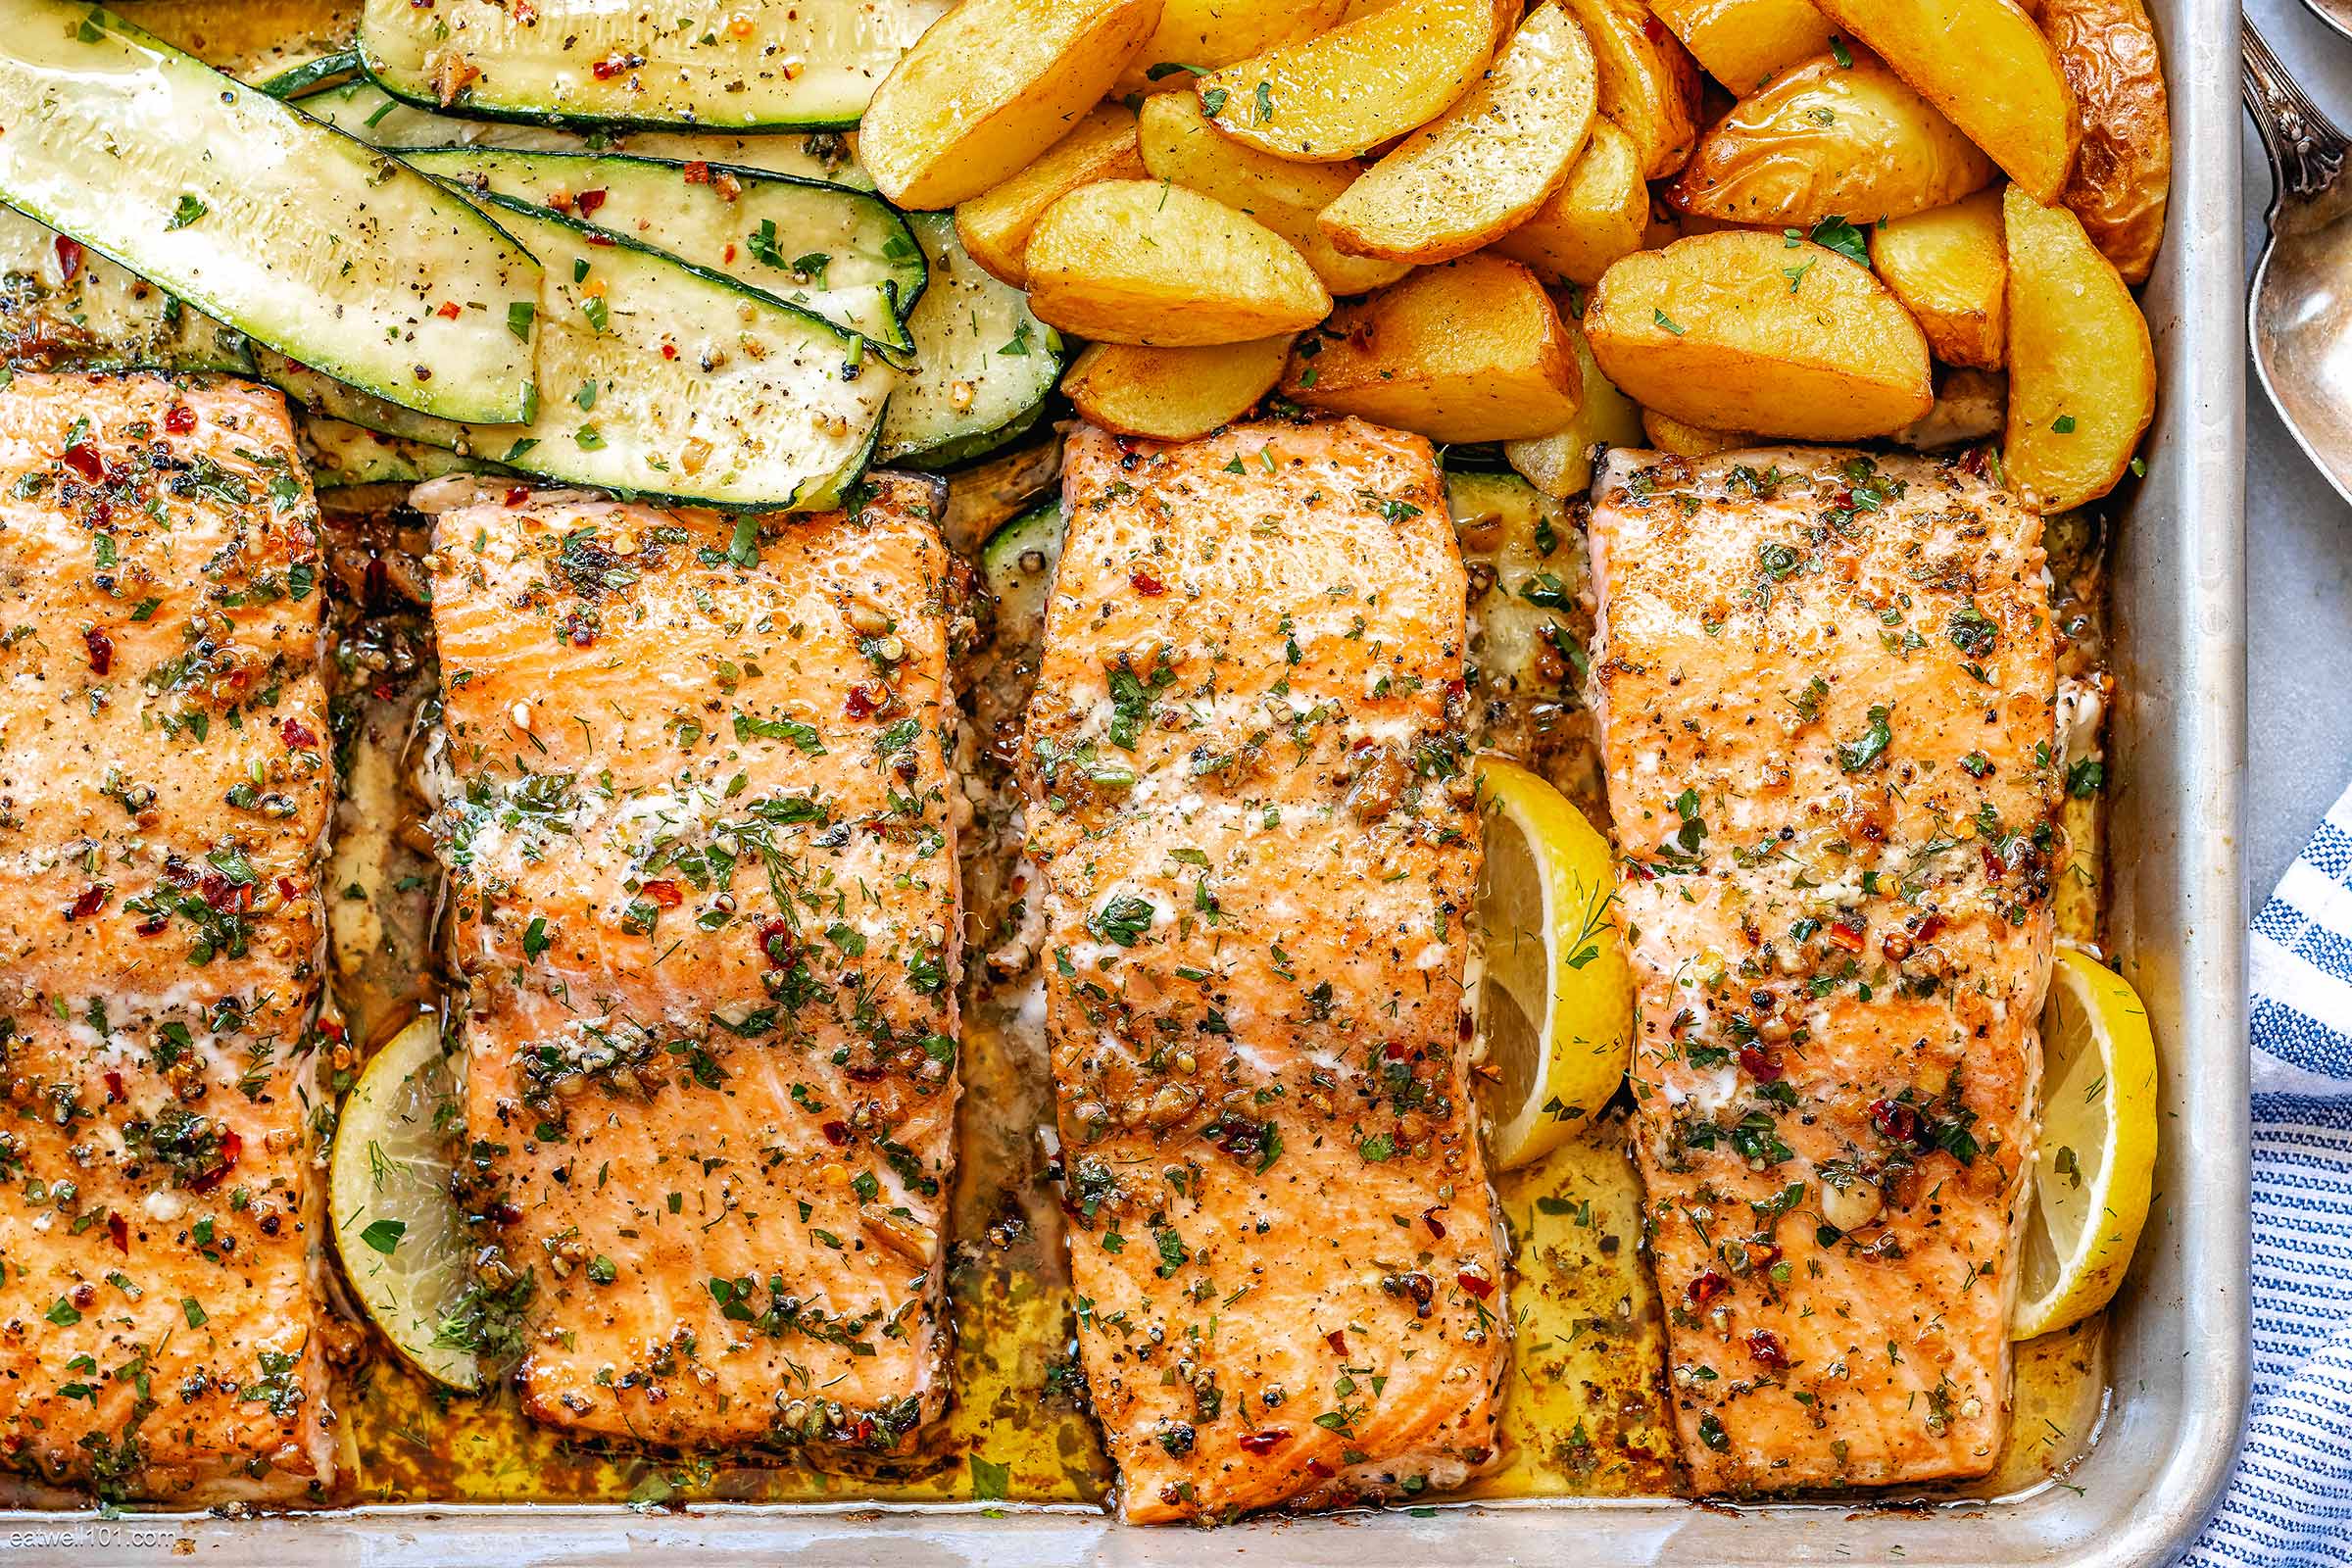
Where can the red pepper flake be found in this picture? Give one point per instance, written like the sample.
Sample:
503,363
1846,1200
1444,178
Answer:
1846,936
836,1132
179,418
1264,1443
155,925
597,237
590,201
1437,1226
1928,929
231,1145
669,350
1895,1122
1760,1064
287,886
448,311
118,1231
331,1028
1320,1470
730,252
89,900
662,892
862,702
82,459
776,940
69,257
1994,866
516,495
1707,1286
295,734
1477,1285
114,1088
698,172
1142,582
1337,1338
102,649
613,64
1764,1347
1972,462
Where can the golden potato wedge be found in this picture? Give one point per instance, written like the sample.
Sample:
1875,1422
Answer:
1949,270
1987,67
1742,330
1671,435
1829,140
1137,261
1648,83
1599,215
1745,43
2123,168
1469,351
1199,35
995,224
1560,465
1343,92
1173,394
2081,375
1483,166
988,87
1182,147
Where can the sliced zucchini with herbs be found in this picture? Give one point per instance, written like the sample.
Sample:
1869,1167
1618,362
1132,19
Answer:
326,397
842,254
311,242
322,70
984,366
1019,560
63,306
718,65
340,455
662,378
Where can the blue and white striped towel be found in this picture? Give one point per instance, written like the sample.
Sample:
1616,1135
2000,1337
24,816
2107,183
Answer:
2290,1503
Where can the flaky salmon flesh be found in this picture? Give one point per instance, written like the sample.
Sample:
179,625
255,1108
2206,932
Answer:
1827,685
1251,806
694,817
164,779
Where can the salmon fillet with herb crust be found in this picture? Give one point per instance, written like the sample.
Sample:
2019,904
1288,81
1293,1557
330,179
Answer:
164,781
1252,806
1827,689
697,826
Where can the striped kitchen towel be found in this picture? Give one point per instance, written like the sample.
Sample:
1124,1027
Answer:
2291,1501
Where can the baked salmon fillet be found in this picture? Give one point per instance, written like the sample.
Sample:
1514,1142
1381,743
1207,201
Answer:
1252,806
1827,683
695,821
164,778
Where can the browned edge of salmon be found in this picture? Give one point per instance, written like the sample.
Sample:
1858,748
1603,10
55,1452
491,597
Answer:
698,825
1251,806
163,789
1827,684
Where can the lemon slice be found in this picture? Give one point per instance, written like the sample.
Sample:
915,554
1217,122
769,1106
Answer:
1553,999
2097,1157
403,1244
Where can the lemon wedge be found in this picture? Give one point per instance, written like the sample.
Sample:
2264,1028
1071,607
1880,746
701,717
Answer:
1552,996
2097,1157
402,1242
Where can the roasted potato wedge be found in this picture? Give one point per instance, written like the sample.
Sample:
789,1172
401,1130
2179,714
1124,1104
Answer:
1483,166
1988,68
1601,214
1648,83
989,87
2081,373
1182,147
1469,351
1745,43
1136,260
1829,140
1173,394
2124,170
1560,465
1948,269
1669,434
1343,93
1744,330
1196,36
995,224
1970,406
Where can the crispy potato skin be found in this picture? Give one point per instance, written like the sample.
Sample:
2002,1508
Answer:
990,86
2081,371
1470,351
995,226
1560,465
1829,140
1710,331
1650,84
1128,260
1482,167
1671,435
1217,33
1745,43
1601,214
1948,269
1172,394
2124,170
1987,67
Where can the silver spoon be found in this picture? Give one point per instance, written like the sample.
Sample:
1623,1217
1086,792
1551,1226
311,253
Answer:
2337,14
2300,317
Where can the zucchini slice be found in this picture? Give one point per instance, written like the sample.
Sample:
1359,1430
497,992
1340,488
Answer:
308,75
841,254
324,397
720,65
340,455
667,379
984,365
307,241
1019,560
65,307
